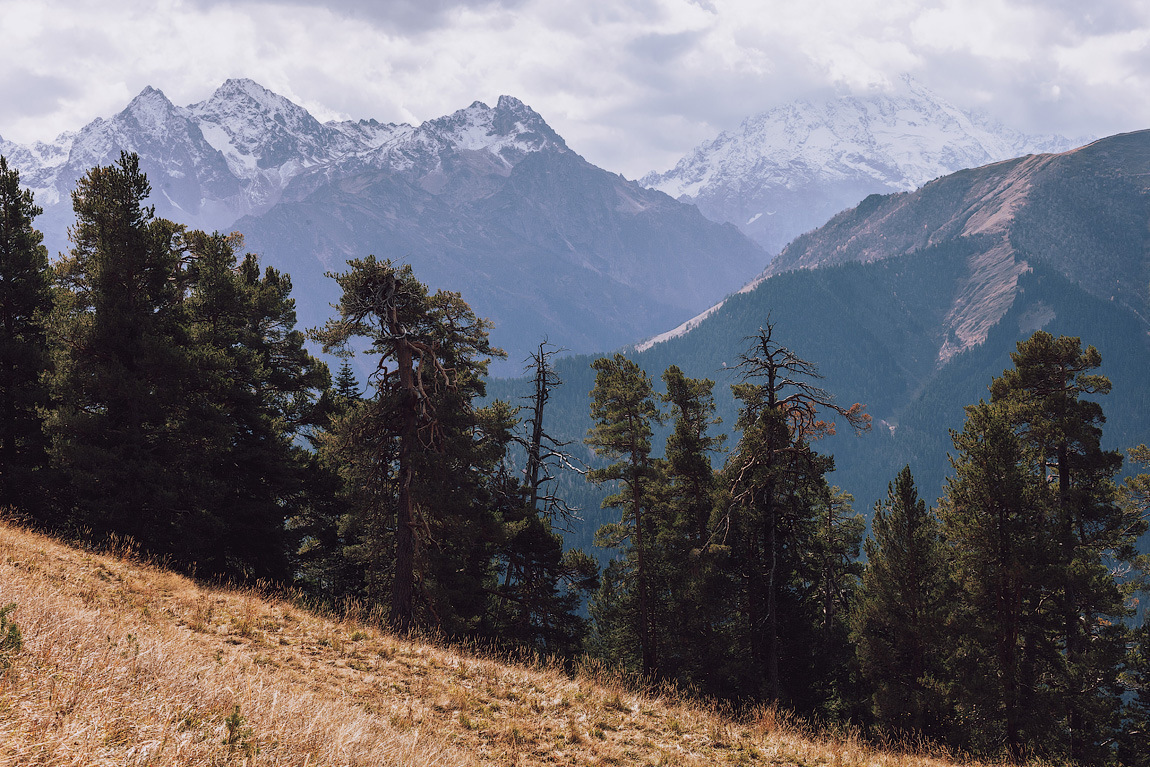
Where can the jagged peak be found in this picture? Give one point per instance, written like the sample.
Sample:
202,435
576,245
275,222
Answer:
513,104
245,95
152,97
151,109
234,86
510,125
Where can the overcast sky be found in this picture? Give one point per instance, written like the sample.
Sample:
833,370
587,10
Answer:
632,86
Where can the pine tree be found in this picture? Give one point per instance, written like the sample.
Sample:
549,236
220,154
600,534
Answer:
775,481
25,303
536,601
898,623
1043,394
996,521
1134,739
346,387
836,574
693,584
120,371
538,595
252,393
623,407
413,454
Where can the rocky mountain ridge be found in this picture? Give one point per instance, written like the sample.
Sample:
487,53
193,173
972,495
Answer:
1081,212
237,152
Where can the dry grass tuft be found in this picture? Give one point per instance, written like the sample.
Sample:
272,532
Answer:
126,664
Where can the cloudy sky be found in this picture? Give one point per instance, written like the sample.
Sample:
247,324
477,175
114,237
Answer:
631,84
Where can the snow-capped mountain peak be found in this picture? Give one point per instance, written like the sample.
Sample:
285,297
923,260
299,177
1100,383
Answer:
256,129
808,159
236,152
510,130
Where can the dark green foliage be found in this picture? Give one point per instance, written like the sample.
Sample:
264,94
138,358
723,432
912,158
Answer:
1038,538
11,640
1044,395
238,736
1134,742
623,408
996,523
120,377
538,588
182,384
251,393
898,624
25,302
836,572
346,387
692,584
415,456
780,549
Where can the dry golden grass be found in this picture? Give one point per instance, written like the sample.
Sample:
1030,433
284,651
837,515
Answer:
126,664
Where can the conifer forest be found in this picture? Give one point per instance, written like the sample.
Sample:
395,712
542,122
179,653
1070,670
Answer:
154,386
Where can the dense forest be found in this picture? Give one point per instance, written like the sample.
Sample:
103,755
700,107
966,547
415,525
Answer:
154,387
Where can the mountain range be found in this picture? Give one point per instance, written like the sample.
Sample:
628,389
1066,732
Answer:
490,202
786,171
912,302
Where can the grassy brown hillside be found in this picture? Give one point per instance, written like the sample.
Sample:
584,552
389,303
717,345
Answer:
123,663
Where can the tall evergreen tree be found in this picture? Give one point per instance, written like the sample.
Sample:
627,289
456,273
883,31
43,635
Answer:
182,384
996,521
899,620
120,371
346,387
25,303
693,584
835,570
1134,740
624,409
775,481
252,392
1044,396
538,594
414,452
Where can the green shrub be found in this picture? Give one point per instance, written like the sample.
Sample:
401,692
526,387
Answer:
11,641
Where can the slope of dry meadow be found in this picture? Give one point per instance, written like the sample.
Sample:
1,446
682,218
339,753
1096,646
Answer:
124,663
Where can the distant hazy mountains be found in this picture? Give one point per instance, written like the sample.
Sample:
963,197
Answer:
487,201
788,170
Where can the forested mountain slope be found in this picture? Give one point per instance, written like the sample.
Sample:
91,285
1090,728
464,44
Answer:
911,302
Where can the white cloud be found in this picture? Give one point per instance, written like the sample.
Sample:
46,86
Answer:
632,86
